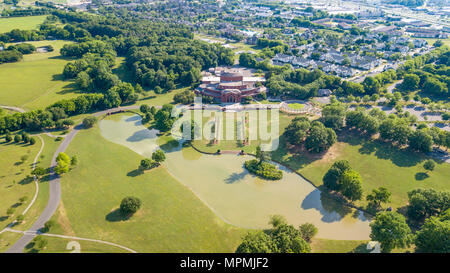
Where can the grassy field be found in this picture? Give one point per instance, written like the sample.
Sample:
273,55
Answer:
60,245
12,171
7,239
296,106
44,161
338,246
171,217
36,81
431,41
379,164
208,146
23,23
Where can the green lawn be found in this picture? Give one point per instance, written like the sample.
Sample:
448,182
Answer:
7,239
14,183
172,219
296,106
208,146
22,23
44,161
379,164
60,245
36,81
338,246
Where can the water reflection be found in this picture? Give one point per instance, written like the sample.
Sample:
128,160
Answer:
236,196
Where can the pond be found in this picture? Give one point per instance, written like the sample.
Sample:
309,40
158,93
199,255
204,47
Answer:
236,196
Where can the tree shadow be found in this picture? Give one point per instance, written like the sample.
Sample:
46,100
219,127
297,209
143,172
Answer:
421,176
27,180
15,205
362,248
135,173
399,156
235,177
169,145
142,135
3,218
117,216
330,209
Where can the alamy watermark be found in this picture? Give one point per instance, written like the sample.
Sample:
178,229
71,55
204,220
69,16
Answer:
252,123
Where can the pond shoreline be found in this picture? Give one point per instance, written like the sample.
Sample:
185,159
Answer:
328,194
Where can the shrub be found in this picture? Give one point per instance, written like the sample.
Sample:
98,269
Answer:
263,169
88,122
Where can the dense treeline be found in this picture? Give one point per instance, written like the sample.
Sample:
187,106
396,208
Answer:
174,61
300,83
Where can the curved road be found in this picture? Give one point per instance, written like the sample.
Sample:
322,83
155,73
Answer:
55,187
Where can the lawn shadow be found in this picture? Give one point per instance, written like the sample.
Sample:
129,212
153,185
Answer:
399,156
117,216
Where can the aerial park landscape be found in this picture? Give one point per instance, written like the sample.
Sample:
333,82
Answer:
120,134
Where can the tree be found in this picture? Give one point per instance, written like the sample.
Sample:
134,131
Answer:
40,242
163,118
146,164
320,138
429,165
256,242
281,238
276,220
288,239
39,172
308,231
351,185
434,86
390,229
144,108
378,196
90,121
48,225
8,138
17,138
261,155
410,82
434,237
158,156
423,203
130,205
333,116
421,141
32,141
332,178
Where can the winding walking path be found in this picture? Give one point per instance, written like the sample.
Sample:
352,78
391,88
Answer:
55,186
71,237
35,177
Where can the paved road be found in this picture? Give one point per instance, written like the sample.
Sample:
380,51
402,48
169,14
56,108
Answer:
55,187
